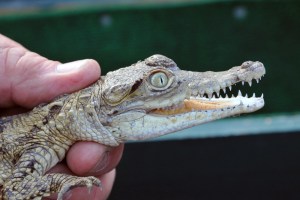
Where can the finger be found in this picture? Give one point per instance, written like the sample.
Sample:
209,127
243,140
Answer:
28,79
6,42
90,158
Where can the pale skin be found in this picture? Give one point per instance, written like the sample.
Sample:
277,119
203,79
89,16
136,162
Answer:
28,79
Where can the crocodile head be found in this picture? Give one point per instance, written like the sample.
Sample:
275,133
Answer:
154,97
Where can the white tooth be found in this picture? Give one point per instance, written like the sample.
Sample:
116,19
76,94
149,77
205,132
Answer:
230,88
243,82
224,90
253,96
226,96
240,93
217,94
246,95
262,95
250,83
257,80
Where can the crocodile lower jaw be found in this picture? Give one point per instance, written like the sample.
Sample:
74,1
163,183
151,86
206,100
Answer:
203,104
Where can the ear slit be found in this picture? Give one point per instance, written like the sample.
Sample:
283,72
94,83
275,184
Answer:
136,85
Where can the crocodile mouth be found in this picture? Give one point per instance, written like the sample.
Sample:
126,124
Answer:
216,101
203,104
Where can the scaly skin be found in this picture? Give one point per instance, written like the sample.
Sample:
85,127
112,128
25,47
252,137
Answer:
146,100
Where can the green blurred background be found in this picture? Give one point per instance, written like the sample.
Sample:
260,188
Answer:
197,35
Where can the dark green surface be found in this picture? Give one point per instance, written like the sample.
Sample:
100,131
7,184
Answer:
197,36
261,167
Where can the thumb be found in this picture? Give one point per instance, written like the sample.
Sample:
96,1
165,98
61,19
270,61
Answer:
28,79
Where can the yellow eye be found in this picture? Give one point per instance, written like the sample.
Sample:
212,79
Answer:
159,80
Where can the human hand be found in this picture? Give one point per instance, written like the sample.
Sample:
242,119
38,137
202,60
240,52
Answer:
28,79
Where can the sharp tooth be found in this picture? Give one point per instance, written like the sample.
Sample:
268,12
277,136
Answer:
262,95
253,96
243,82
240,93
226,96
246,95
250,83
217,94
224,90
257,80
230,88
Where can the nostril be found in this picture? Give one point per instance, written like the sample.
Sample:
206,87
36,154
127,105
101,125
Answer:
246,64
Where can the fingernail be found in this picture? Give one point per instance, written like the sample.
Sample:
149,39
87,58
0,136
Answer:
102,163
71,66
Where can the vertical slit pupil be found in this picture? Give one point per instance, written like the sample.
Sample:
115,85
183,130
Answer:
161,80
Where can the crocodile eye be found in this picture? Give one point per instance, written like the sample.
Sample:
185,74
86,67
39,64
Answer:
159,80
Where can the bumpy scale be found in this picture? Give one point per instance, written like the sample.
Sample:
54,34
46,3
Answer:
145,100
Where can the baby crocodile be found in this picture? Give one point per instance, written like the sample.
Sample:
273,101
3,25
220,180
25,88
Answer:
145,100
